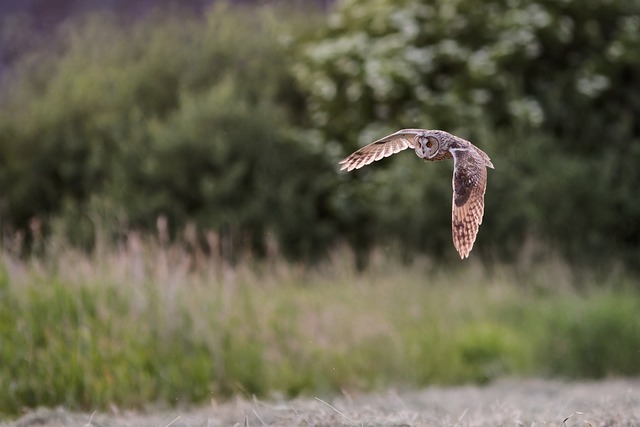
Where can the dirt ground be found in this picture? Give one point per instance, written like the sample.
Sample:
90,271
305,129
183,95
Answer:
614,402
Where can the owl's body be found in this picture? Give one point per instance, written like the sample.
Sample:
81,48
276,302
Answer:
469,173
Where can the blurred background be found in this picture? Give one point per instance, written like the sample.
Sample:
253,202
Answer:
173,166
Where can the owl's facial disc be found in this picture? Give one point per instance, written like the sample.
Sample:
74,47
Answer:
427,147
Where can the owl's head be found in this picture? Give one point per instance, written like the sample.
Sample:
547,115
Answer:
427,145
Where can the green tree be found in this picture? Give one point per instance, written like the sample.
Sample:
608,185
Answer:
547,88
194,118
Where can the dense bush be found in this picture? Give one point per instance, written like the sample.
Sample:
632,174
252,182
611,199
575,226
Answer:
549,89
177,116
235,121
590,340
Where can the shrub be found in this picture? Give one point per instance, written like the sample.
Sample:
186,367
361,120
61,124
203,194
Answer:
595,338
176,116
547,88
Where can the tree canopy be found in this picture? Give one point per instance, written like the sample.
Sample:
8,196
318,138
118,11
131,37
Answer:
235,121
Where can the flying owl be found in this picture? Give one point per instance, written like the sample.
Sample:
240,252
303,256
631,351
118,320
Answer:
469,173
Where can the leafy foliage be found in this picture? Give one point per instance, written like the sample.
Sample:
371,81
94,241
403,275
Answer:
173,117
234,122
547,88
454,65
589,339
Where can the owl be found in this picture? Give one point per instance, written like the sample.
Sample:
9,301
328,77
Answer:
469,173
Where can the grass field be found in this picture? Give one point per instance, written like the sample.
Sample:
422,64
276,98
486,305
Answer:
512,402
144,322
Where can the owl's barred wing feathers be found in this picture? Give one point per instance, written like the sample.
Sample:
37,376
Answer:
469,174
469,185
379,149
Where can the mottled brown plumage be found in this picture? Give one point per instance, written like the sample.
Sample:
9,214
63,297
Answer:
469,173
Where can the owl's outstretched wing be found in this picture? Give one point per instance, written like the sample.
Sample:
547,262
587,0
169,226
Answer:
469,185
379,149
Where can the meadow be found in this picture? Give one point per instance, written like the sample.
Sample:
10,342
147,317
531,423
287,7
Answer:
313,282
149,321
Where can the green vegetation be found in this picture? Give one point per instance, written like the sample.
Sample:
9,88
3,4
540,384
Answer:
223,131
234,121
176,116
154,323
545,87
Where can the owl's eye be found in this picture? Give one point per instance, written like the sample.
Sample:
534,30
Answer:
429,144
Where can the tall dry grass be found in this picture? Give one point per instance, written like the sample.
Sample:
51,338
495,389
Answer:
149,320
